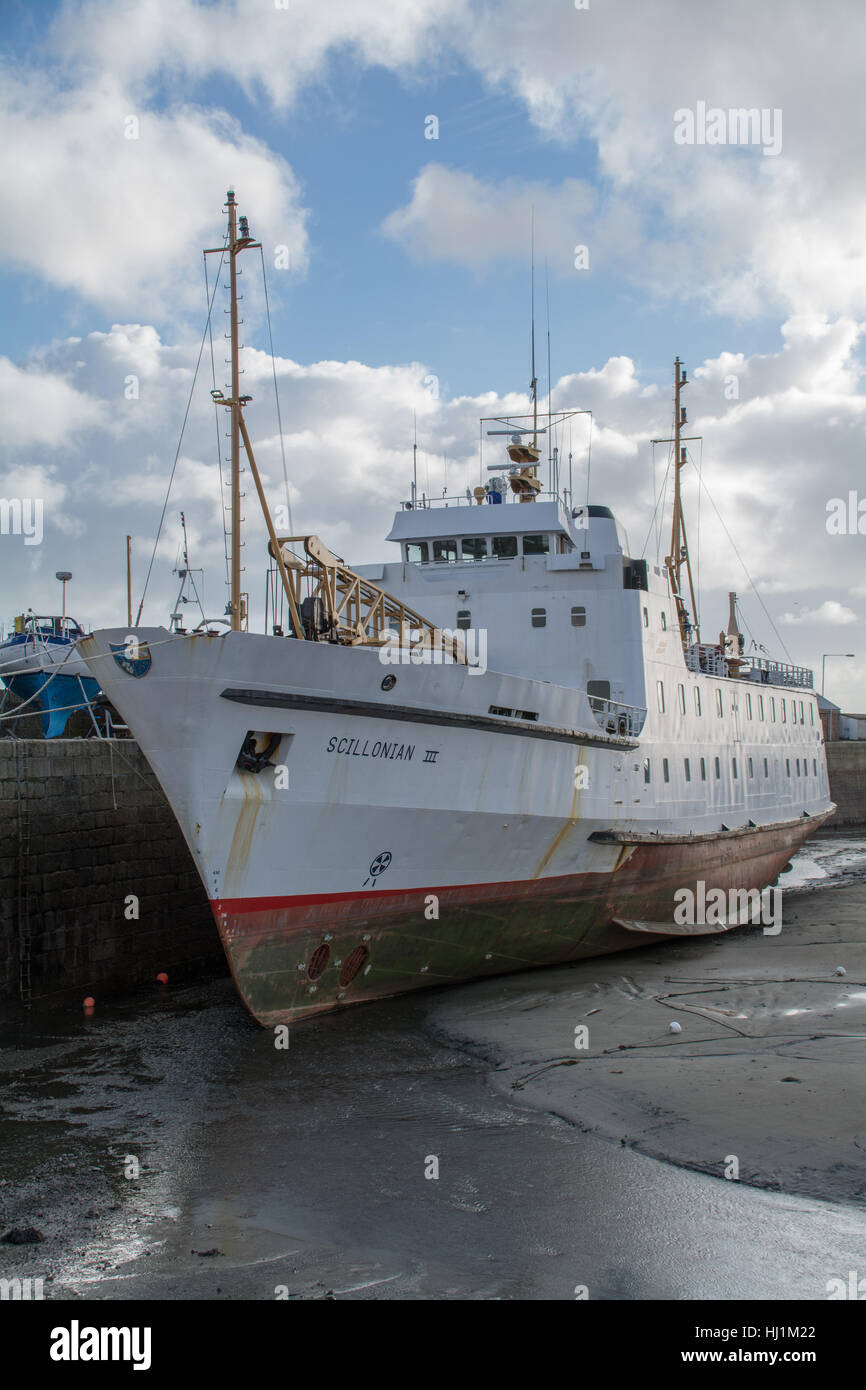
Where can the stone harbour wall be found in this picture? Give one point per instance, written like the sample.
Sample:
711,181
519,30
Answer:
85,827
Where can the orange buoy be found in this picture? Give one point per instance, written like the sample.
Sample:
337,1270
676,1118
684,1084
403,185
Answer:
162,978
89,1002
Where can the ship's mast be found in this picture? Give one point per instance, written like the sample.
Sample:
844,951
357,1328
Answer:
235,244
679,553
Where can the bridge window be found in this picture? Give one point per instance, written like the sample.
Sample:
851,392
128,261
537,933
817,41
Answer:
578,617
788,766
664,621
681,695
748,706
646,770
734,762
688,768
815,766
760,706
718,767
751,769
811,714
416,552
445,551
697,700
773,708
504,547
474,547
766,769
536,545
703,769
802,713
464,618
660,694
539,617
666,769
798,768
784,711
720,708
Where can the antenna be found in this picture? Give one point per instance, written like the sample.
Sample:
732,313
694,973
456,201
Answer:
549,386
534,384
415,458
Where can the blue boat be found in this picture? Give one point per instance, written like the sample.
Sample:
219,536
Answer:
38,662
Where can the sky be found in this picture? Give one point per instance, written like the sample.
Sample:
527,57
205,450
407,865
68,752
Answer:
392,157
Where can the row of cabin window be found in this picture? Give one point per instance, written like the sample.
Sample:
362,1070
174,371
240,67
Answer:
475,548
666,770
720,705
664,618
538,617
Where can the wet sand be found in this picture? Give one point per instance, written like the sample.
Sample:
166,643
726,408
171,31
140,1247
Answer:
301,1173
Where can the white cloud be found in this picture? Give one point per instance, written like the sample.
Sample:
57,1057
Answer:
830,612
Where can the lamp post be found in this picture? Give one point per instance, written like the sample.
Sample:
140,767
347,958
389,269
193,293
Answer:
64,576
846,655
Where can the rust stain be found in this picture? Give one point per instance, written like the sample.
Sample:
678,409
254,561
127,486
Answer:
625,854
559,836
242,837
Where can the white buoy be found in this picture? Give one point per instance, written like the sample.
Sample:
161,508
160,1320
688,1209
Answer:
840,970
674,1028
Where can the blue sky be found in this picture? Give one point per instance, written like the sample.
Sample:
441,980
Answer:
410,257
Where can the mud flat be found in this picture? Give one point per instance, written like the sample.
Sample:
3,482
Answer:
766,1079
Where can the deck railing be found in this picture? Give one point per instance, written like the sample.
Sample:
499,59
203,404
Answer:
616,717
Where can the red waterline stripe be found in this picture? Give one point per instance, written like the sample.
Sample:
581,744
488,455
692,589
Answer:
241,905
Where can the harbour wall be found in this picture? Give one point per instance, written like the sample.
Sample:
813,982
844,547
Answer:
98,892
88,840
846,765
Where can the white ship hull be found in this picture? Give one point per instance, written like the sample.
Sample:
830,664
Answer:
406,837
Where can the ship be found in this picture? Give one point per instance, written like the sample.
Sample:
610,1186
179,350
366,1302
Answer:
505,747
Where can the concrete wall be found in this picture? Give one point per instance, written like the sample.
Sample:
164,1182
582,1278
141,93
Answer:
84,824
846,764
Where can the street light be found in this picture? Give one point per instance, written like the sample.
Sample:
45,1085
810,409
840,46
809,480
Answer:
847,655
64,576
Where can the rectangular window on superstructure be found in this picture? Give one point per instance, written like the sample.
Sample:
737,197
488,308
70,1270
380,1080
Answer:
811,713
647,770
697,700
734,764
718,767
445,552
539,617
748,706
802,713
720,708
416,552
688,769
798,767
464,618
815,766
660,694
751,768
666,769
681,696
760,706
474,547
703,769
504,547
788,766
766,768
664,621
536,545
578,617
784,709
773,708
646,617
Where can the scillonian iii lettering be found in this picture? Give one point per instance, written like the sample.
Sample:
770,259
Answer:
380,749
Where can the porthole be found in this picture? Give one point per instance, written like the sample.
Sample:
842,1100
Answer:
352,964
389,682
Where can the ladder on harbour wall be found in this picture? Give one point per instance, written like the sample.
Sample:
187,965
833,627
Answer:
23,875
